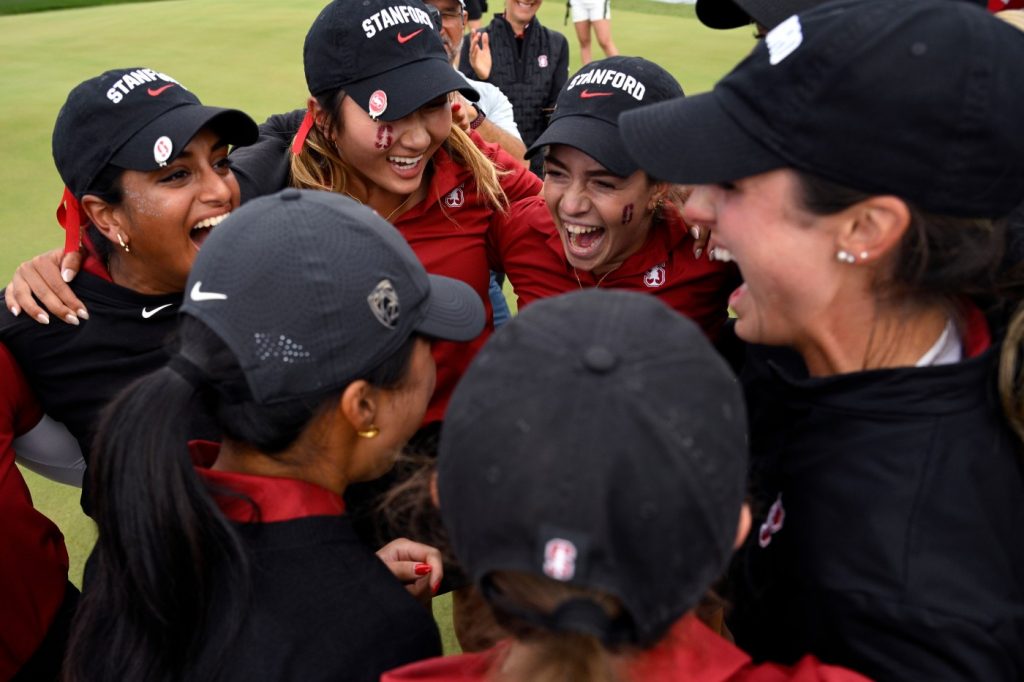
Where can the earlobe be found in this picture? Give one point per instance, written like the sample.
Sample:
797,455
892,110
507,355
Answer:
319,117
743,527
358,404
876,228
105,217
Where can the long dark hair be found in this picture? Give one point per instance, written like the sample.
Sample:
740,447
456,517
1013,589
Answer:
168,581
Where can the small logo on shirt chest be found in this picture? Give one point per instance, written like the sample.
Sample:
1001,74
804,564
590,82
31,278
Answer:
542,61
456,198
655,277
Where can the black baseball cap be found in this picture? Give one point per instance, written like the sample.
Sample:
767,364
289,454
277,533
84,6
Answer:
736,13
597,439
385,54
134,118
587,111
918,98
310,290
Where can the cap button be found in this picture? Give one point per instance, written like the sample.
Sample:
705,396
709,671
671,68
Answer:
599,359
290,194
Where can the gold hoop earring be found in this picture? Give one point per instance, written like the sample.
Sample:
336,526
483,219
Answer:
371,432
120,240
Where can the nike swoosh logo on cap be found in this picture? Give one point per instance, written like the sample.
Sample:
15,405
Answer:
197,295
154,93
146,314
402,40
587,94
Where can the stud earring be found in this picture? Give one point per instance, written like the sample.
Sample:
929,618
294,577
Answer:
371,432
844,256
864,255
120,240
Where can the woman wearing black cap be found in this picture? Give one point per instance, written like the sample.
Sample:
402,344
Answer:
246,566
859,170
601,220
147,178
594,527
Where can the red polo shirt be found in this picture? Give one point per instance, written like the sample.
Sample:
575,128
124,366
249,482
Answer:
530,253
448,232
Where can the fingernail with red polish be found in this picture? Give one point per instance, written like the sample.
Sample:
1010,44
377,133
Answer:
456,107
435,588
422,569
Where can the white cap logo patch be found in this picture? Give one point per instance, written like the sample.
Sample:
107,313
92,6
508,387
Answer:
784,39
560,559
378,103
383,302
162,149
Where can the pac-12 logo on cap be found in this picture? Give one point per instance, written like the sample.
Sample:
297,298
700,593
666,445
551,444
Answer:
655,277
383,302
560,559
378,103
162,149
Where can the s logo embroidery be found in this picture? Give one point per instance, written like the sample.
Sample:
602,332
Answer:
772,524
560,559
542,61
456,198
655,277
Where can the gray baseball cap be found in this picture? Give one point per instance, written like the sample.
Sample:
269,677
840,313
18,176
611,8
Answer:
311,290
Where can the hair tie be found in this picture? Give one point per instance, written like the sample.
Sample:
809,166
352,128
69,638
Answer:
187,370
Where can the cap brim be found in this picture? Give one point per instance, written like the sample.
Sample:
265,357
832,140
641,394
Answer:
454,311
409,86
771,13
721,14
694,140
597,138
180,125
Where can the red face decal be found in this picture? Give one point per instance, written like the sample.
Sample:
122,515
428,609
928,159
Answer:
627,214
385,136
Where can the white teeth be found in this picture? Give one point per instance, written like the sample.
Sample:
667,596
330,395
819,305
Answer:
580,229
405,160
720,253
210,222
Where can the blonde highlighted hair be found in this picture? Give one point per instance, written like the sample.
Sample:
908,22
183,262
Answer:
319,165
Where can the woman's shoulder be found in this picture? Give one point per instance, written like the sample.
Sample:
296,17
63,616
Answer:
473,667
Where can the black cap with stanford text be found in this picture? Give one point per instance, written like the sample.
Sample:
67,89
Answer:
133,118
597,439
311,290
587,110
385,54
917,98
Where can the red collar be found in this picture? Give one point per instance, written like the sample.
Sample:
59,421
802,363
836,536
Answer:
976,335
246,498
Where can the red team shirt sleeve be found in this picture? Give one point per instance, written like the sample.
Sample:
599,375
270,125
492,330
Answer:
33,558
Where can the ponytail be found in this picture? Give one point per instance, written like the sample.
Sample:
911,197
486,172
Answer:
165,558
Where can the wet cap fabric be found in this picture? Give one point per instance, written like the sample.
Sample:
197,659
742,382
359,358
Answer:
311,290
385,54
597,439
134,118
736,13
918,98
587,110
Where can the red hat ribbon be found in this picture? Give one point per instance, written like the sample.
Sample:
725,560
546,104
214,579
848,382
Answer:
300,137
69,215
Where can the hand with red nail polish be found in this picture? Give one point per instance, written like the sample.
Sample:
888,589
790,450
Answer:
417,566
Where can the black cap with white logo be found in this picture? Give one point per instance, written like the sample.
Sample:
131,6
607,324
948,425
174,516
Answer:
918,98
599,440
133,118
587,110
385,54
310,290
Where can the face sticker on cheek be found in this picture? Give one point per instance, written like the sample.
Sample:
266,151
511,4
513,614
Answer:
385,136
627,214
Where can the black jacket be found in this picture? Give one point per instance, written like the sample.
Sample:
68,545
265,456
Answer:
531,73
898,550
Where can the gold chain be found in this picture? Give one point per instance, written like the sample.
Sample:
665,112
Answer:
400,207
598,281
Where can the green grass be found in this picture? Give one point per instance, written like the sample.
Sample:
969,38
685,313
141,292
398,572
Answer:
241,53
26,6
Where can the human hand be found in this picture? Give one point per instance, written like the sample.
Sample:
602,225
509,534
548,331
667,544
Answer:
463,112
417,566
480,54
47,276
